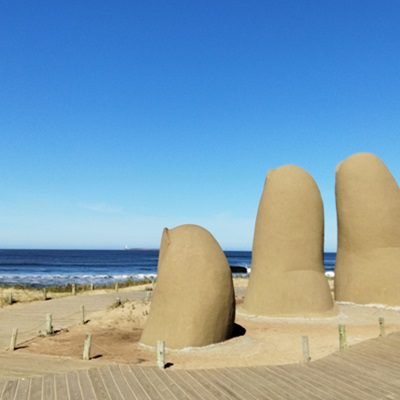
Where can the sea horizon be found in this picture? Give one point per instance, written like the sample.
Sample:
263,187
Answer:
48,267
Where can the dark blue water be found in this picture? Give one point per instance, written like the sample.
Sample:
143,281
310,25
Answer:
60,267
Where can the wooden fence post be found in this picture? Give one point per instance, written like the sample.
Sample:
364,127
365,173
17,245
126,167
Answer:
161,354
44,293
86,348
306,349
91,286
83,314
13,342
342,337
49,324
148,296
73,288
381,326
116,286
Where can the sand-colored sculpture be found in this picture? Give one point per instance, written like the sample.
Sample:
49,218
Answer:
368,209
193,303
287,275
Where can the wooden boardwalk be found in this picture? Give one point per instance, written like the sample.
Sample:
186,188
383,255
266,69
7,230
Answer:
368,371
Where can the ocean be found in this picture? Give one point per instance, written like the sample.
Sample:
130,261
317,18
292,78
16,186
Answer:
39,268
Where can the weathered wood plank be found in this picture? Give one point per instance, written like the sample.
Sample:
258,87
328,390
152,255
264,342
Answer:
133,383
363,372
204,388
346,378
381,351
98,385
22,392
367,371
48,387
224,385
86,385
242,388
285,381
160,379
152,375
318,378
74,390
380,356
110,385
148,387
366,367
9,390
36,388
381,364
333,388
365,364
60,387
279,390
121,382
244,374
188,386
2,384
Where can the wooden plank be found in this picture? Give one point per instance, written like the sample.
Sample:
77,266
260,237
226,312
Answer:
202,386
74,390
152,377
243,374
60,387
133,383
384,352
222,384
86,385
256,386
378,343
121,383
345,377
278,388
48,387
367,367
2,385
288,384
386,356
364,372
22,392
9,390
187,386
98,385
389,349
336,388
382,364
36,388
366,364
110,385
240,387
291,384
161,379
319,387
324,382
148,387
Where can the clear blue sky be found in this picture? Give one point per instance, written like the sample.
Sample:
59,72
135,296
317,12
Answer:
119,118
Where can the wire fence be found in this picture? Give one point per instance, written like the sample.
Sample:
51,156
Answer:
41,328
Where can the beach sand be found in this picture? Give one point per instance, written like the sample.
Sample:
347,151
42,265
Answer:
27,294
266,341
